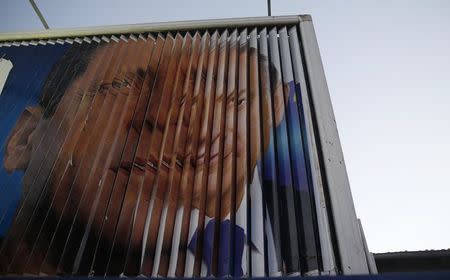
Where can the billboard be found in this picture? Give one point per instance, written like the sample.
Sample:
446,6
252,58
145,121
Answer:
184,154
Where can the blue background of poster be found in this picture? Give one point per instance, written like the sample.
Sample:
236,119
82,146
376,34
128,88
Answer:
22,89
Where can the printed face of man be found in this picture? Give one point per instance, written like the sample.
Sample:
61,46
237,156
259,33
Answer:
32,126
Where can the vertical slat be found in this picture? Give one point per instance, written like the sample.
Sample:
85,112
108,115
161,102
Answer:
326,247
289,231
214,193
155,160
350,247
272,223
177,264
203,155
257,213
197,215
240,232
229,167
162,191
171,236
305,221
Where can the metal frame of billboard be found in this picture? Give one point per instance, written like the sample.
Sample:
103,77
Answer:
342,245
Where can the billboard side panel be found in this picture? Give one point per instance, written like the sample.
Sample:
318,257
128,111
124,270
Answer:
349,243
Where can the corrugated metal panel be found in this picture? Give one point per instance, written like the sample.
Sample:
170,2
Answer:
162,154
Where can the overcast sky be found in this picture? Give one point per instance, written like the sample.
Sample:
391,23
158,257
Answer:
388,69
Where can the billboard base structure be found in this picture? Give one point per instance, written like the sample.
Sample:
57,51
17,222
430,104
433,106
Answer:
184,149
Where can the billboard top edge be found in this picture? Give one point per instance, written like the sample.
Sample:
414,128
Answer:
154,27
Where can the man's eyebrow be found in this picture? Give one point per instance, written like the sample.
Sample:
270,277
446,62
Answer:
129,79
139,73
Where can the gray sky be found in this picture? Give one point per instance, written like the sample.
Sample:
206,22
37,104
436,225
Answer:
388,69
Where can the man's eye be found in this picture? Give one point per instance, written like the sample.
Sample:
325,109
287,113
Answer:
125,83
120,84
179,163
241,101
152,164
104,87
165,164
116,84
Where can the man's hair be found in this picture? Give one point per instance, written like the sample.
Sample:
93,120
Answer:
73,63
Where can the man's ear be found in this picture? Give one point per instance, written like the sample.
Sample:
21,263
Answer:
19,146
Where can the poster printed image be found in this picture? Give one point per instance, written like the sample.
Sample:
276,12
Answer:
167,155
